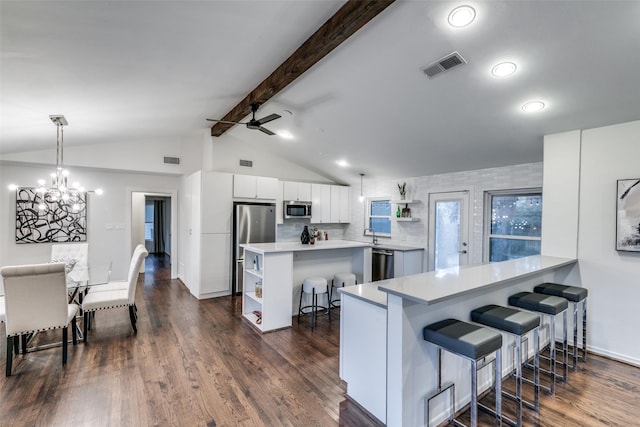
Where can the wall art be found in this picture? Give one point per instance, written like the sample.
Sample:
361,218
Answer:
628,215
42,219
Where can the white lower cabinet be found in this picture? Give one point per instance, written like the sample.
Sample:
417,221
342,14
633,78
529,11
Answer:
215,255
205,240
270,309
406,263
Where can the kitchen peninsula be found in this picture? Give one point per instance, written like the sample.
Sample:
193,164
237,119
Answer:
279,269
388,367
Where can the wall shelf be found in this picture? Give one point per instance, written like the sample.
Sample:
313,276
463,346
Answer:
411,219
404,202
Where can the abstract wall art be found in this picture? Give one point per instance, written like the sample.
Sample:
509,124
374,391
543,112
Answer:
41,218
628,215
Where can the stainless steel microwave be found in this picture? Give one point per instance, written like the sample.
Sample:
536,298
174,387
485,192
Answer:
295,209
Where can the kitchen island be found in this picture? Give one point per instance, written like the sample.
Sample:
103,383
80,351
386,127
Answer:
412,302
279,269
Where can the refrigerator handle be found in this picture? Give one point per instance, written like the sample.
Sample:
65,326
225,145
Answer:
239,275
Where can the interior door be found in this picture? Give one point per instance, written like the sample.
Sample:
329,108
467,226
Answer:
448,229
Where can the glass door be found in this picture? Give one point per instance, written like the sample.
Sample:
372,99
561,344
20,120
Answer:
448,229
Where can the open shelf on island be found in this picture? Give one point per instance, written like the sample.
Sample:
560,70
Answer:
253,319
253,296
257,273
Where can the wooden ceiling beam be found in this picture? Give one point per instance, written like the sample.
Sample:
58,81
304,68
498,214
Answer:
352,16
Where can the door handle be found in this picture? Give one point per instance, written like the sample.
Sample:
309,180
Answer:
462,252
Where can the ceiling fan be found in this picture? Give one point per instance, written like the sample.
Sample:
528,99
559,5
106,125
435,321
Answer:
254,123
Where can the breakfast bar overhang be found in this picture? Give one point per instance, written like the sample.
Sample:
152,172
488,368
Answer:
418,300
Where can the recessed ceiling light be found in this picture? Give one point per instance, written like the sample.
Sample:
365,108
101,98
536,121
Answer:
285,134
533,106
462,16
504,69
342,163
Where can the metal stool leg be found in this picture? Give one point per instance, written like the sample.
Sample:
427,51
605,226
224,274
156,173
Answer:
584,330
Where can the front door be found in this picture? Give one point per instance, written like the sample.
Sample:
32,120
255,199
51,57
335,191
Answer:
448,229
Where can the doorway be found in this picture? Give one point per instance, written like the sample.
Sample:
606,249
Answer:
154,224
448,229
157,225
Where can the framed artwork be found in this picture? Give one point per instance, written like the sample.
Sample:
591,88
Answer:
41,219
628,215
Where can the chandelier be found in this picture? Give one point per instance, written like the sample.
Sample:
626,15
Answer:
60,192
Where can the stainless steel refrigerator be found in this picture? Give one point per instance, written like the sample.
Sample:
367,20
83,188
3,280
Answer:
252,223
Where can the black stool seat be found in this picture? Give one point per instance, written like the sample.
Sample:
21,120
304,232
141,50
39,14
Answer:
465,339
506,319
572,293
547,304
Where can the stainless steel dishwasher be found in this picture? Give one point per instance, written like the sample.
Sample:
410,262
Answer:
381,264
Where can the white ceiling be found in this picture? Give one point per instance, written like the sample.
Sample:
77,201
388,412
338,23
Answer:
132,71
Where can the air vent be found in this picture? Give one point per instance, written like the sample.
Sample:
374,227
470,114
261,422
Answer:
172,160
444,64
247,163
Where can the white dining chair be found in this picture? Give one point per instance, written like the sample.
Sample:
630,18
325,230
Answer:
115,298
36,300
76,258
2,310
118,285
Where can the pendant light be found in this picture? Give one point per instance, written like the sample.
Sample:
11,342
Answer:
60,192
361,198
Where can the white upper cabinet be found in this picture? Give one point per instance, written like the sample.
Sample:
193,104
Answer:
217,203
255,187
340,204
279,203
297,191
320,203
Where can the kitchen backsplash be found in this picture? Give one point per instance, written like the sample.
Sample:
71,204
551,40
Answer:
291,229
476,182
415,233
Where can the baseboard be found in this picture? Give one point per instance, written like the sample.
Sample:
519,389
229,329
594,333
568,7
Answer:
613,356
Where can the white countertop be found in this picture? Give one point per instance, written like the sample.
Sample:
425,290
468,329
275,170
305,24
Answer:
263,248
437,286
394,247
367,292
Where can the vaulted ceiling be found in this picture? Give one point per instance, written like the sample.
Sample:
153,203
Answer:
155,70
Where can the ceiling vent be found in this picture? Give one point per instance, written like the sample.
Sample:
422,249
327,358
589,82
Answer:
247,163
444,64
172,160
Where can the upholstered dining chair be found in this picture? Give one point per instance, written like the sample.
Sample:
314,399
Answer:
74,255
118,285
116,297
36,300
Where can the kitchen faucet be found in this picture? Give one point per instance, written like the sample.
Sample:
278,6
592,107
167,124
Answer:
373,232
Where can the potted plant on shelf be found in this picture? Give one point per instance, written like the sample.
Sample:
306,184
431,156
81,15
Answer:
403,190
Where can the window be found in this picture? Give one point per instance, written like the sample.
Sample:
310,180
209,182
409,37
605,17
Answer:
148,221
379,216
513,224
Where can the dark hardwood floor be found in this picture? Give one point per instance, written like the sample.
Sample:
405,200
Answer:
196,363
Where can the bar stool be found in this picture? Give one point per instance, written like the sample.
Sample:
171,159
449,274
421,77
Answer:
551,306
474,343
517,324
340,280
575,295
313,286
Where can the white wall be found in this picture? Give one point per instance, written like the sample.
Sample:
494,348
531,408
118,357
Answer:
108,216
612,278
226,152
562,179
